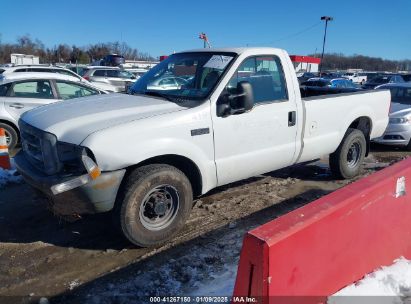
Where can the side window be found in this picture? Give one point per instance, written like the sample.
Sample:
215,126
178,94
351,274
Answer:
113,73
40,70
100,73
32,89
4,88
125,74
340,84
265,74
69,90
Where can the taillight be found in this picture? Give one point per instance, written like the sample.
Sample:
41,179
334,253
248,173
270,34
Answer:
86,78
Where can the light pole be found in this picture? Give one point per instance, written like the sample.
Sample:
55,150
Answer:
326,18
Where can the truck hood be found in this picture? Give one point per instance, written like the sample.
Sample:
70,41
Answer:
73,120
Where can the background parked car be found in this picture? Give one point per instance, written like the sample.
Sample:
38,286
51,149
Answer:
331,75
382,79
398,132
406,77
20,92
167,83
40,69
356,77
78,69
324,86
305,76
137,72
110,78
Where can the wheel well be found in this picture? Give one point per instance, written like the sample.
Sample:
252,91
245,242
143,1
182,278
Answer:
364,125
188,167
11,125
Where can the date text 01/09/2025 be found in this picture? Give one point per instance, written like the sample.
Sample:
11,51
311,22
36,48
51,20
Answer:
202,299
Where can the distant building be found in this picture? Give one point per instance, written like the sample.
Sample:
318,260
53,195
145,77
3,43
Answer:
23,59
305,63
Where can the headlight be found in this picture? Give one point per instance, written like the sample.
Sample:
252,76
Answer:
70,157
399,120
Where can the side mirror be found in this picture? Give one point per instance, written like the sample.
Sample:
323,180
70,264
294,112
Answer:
223,110
241,102
245,97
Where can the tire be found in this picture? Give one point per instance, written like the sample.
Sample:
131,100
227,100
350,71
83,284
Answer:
408,146
11,135
346,161
153,205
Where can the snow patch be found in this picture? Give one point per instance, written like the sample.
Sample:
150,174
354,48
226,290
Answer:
390,284
9,176
74,284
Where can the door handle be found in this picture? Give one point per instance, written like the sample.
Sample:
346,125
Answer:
292,118
16,105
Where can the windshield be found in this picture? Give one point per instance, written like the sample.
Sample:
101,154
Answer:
184,75
401,95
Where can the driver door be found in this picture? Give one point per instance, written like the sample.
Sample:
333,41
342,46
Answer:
263,139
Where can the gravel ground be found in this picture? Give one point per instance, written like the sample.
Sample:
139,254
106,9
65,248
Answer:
86,261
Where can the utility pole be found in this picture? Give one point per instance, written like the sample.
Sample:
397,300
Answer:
326,18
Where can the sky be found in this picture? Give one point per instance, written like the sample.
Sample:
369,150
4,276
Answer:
162,27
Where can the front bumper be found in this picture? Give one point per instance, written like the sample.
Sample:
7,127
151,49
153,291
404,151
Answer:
395,135
96,196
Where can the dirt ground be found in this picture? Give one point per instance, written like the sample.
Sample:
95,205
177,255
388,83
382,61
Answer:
42,255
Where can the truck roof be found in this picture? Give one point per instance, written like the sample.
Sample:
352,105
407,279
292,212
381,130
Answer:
237,50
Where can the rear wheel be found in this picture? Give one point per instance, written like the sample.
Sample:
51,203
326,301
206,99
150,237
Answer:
154,204
346,161
12,136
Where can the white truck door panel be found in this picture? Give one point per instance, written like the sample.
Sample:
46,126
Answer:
262,139
255,142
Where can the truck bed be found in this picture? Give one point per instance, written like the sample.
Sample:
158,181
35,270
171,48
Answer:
328,117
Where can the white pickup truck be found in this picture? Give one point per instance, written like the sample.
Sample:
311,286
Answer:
359,78
236,113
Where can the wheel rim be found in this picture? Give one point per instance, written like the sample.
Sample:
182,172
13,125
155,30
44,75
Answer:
159,207
354,154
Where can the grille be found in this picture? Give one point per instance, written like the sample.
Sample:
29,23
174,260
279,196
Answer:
39,148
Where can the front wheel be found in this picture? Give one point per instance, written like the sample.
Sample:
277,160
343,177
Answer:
154,204
12,136
346,161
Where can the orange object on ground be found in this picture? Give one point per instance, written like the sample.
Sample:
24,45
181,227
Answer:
4,151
